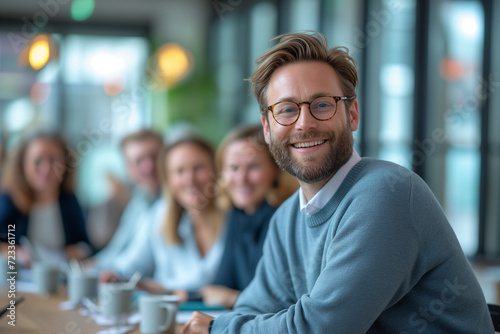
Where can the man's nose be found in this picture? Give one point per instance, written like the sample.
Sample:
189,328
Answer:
306,120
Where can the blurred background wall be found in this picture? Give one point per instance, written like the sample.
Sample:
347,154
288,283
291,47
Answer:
429,90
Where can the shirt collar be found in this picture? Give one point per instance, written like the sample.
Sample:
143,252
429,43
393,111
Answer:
324,194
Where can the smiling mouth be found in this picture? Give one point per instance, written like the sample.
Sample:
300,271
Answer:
309,144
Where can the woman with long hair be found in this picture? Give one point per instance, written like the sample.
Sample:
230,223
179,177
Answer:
183,243
38,201
252,188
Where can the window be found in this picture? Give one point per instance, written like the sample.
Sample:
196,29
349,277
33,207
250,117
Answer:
93,90
453,128
423,93
388,84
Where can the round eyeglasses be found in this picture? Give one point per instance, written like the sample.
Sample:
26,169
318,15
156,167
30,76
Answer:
321,108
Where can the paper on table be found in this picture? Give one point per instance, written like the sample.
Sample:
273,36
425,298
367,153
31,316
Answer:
117,330
68,305
106,320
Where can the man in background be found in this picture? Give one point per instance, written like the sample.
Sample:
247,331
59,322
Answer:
140,150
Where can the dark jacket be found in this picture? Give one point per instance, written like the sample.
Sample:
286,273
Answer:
71,214
243,248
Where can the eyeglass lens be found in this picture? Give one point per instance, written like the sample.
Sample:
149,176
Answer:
287,112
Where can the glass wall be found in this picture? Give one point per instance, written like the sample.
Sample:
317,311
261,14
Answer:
491,145
264,27
454,113
101,103
421,91
388,85
236,42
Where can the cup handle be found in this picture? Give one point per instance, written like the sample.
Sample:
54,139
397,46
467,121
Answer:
171,310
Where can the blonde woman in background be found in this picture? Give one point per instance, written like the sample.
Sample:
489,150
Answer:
38,200
182,245
253,187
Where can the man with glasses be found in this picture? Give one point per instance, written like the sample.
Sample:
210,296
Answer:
363,246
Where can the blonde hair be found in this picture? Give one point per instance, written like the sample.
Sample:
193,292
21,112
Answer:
14,181
301,47
213,214
285,184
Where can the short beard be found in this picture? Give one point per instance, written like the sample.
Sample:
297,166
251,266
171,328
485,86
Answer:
314,170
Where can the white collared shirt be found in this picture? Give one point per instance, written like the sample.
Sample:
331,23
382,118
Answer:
324,194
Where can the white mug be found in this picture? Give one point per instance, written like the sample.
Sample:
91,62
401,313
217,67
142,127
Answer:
82,285
158,313
115,299
4,269
45,277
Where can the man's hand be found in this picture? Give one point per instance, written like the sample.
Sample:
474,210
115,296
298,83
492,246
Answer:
152,286
107,276
89,262
198,324
24,257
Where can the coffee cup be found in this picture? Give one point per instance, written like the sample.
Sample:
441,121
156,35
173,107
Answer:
82,285
46,277
4,269
158,313
115,299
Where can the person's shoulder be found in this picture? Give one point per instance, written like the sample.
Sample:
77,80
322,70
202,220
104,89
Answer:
68,198
159,205
266,213
289,208
67,195
233,216
266,208
381,173
290,203
6,199
156,213
7,203
383,166
137,197
8,209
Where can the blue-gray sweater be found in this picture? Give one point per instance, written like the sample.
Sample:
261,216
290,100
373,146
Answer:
380,257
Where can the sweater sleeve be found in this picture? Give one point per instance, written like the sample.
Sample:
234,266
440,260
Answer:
130,222
367,268
265,299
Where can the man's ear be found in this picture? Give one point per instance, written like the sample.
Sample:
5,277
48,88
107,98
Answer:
354,115
265,127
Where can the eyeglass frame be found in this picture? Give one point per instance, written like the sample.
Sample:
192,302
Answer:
336,98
